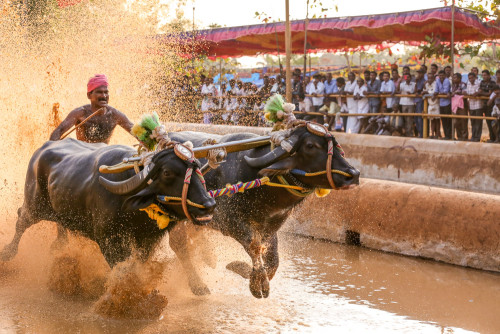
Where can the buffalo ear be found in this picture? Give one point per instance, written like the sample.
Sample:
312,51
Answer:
141,200
279,168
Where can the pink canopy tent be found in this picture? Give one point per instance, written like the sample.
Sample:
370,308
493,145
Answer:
342,33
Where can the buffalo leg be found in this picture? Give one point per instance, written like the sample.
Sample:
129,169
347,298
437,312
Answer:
62,238
271,257
179,242
259,281
24,220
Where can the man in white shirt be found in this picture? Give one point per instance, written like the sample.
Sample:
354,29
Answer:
208,91
476,107
350,86
307,100
407,104
387,87
317,88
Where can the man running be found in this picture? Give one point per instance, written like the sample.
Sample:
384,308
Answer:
99,128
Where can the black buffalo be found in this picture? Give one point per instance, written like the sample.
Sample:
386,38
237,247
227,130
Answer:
254,217
62,185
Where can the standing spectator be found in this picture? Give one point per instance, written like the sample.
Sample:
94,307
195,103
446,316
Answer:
443,87
407,104
352,104
317,89
208,92
373,86
486,87
475,107
387,87
424,68
495,99
223,102
447,72
342,101
406,71
330,85
475,70
397,81
363,105
419,102
434,70
307,99
432,106
297,90
366,75
458,89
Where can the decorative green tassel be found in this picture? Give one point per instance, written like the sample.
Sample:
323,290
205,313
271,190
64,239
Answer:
143,130
274,108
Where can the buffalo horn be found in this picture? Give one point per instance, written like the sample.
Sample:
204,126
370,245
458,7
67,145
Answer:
129,186
271,157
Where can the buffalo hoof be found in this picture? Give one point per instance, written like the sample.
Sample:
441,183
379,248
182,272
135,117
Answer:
199,289
259,283
8,253
241,268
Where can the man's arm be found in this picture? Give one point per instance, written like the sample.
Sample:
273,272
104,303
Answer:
123,121
68,122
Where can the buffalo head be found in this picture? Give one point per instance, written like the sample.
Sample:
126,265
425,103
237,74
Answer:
164,176
307,153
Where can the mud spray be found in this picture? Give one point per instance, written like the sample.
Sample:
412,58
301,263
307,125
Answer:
47,56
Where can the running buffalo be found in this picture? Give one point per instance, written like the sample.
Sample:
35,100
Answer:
63,185
254,217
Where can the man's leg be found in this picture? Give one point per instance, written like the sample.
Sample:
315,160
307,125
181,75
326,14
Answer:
446,110
477,125
487,113
461,125
419,107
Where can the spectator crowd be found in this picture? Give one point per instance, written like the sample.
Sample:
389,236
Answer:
329,100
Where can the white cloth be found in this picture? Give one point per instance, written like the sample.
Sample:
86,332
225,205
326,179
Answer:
307,99
388,87
363,106
352,104
207,102
433,104
407,89
319,89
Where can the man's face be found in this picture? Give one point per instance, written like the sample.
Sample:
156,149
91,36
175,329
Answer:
316,80
395,75
407,78
442,76
329,77
373,76
99,97
447,70
434,69
472,79
406,71
386,77
420,75
475,71
351,76
497,76
431,78
486,76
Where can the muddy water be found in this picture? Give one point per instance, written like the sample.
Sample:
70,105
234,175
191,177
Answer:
320,287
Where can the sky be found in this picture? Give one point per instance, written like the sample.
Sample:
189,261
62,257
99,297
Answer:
242,12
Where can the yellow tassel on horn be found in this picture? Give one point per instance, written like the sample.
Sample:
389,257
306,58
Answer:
319,192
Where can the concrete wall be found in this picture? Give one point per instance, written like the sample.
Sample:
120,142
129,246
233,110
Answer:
449,225
456,165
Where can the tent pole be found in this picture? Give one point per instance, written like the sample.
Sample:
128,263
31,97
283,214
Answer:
452,45
288,83
306,23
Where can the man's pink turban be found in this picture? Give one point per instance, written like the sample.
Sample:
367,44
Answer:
96,81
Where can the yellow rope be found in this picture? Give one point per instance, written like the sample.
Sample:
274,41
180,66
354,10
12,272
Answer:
324,172
173,198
